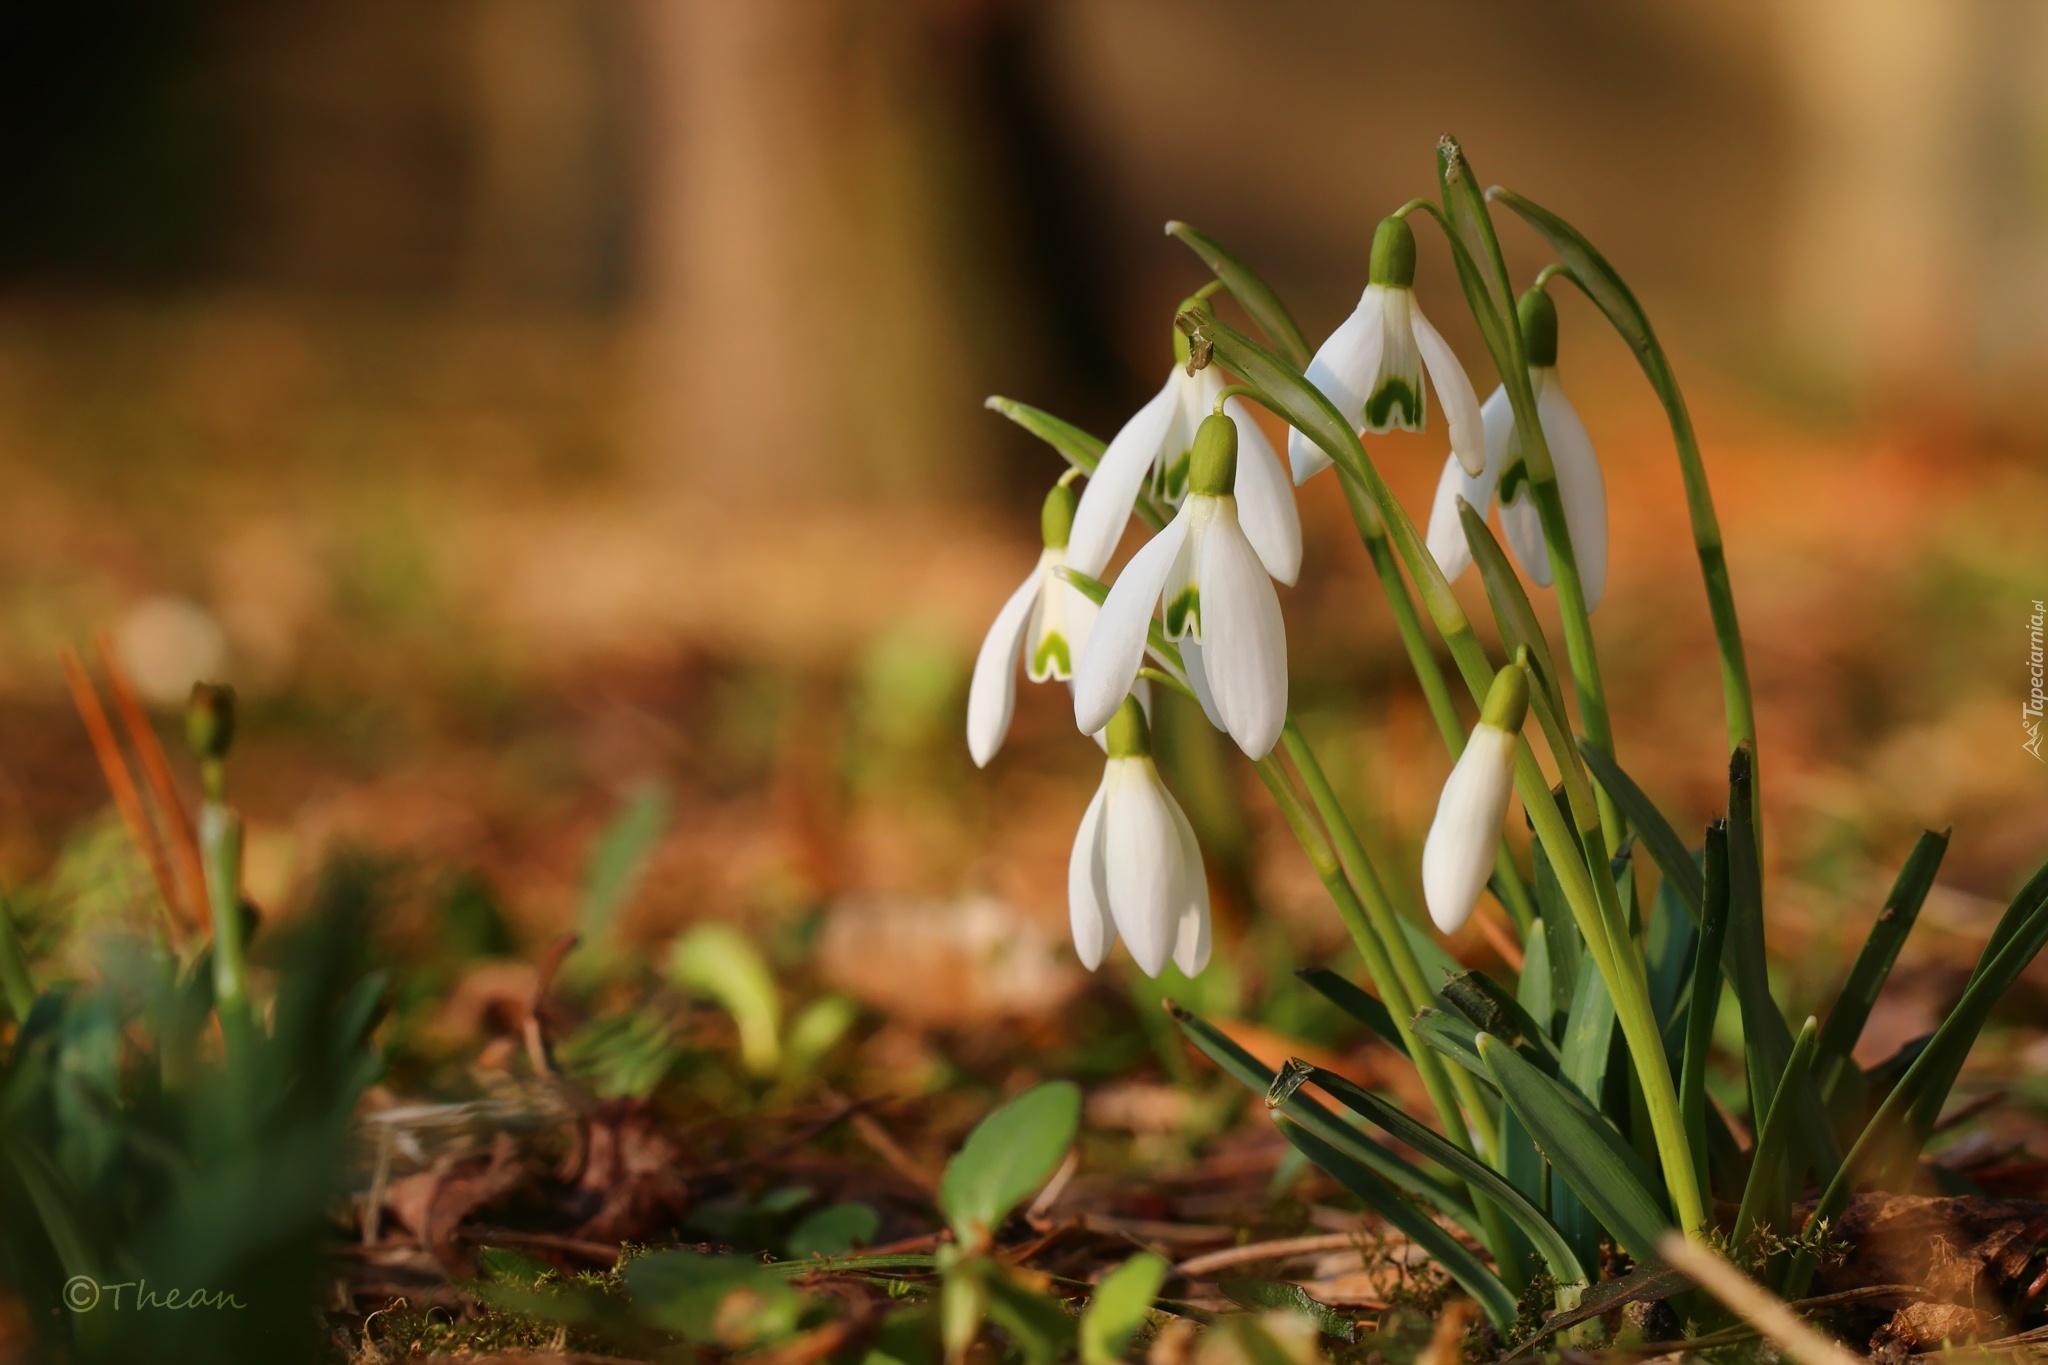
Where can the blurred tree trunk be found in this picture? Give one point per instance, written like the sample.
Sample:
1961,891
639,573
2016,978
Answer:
799,340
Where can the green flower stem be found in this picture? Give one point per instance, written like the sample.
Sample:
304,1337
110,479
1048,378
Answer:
1312,414
15,980
1386,921
220,841
1585,267
1330,870
1482,271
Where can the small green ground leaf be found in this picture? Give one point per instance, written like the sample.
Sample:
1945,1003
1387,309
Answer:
1007,1157
620,860
1120,1306
834,1230
717,960
1270,1294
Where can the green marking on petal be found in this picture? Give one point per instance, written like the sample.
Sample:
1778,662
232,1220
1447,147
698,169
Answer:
1173,479
1053,659
1184,614
1511,481
1394,392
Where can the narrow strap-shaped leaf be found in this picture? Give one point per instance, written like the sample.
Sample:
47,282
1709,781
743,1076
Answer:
1764,1198
1452,1036
1673,935
1253,294
1488,1005
1355,1001
1587,1048
1583,1147
1706,997
1874,963
1467,1269
1535,987
1082,449
2016,913
1564,1266
1666,849
1249,1072
1438,966
1924,1088
1767,1042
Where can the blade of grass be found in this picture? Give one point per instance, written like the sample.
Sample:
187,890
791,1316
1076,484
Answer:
1583,1147
1355,1001
1564,1265
1900,1127
1470,1273
1253,294
1666,849
1706,996
1754,1304
1874,963
1764,1198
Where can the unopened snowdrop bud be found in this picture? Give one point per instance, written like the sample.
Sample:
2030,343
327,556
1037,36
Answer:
1371,367
1458,856
1136,870
1047,620
1217,595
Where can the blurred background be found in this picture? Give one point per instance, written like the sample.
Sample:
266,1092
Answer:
533,404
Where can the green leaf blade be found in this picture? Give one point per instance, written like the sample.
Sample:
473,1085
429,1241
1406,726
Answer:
1010,1153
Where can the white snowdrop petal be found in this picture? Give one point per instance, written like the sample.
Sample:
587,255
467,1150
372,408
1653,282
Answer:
1088,888
1454,391
1245,642
1457,858
1141,851
1522,524
992,695
1191,931
1198,680
1346,363
1265,499
1393,394
1305,459
1579,485
1446,537
1116,643
1107,499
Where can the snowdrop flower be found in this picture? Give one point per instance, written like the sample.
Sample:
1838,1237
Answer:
1371,367
1218,598
1154,450
1457,858
1579,483
1136,869
1047,619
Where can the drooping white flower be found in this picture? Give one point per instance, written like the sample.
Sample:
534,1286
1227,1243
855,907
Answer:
1047,619
1458,856
1371,367
1579,483
1136,869
1153,451
1216,593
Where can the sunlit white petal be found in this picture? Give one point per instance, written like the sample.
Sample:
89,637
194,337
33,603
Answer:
1446,537
1244,639
1107,500
1116,644
1198,680
1265,499
992,695
1454,391
1088,888
1457,858
1579,484
1142,857
1393,392
1191,931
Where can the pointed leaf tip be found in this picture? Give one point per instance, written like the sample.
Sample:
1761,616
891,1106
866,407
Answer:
1174,225
1293,1074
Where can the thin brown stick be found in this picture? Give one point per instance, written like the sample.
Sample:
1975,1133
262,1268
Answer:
1756,1305
1210,1261
121,782
163,788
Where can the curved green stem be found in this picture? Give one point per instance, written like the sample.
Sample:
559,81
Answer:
1310,412
1329,869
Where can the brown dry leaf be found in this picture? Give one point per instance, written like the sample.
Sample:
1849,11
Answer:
433,1203
1919,1326
1967,1249
633,1163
